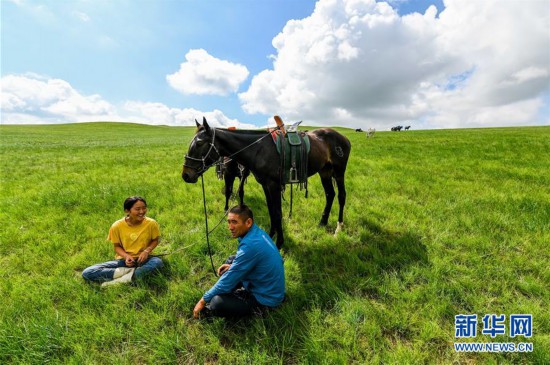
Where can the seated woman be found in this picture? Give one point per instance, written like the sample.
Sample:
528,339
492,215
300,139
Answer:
134,238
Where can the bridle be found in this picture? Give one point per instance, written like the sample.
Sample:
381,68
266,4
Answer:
203,158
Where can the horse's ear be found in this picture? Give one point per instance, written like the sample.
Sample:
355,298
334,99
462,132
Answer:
205,124
197,123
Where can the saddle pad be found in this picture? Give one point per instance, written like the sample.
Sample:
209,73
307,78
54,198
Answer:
293,154
279,139
293,139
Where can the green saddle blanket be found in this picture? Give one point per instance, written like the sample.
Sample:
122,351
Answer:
294,150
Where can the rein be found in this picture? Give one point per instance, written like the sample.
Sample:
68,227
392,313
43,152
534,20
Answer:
250,145
178,250
217,161
191,245
206,227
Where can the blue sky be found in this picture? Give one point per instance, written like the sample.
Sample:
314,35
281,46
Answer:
333,62
124,49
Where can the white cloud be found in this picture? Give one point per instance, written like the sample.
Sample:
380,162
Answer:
82,16
35,99
204,74
358,63
158,113
41,13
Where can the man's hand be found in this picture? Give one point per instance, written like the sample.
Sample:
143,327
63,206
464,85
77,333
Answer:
198,308
223,269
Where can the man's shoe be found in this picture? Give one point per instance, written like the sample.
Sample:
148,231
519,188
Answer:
125,278
206,314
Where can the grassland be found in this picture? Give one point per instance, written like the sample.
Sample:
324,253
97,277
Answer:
438,223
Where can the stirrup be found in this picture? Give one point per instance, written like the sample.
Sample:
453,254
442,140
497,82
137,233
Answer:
293,175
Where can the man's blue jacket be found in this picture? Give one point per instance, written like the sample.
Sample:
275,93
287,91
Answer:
258,265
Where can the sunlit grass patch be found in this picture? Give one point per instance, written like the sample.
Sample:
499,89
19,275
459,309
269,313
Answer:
437,223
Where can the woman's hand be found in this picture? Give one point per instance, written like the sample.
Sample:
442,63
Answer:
143,257
129,261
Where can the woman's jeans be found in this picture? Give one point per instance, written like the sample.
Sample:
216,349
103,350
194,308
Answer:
105,271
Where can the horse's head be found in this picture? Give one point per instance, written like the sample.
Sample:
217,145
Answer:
202,153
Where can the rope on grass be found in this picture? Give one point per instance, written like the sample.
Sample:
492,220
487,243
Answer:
178,250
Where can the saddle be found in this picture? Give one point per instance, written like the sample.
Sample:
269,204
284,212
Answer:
293,147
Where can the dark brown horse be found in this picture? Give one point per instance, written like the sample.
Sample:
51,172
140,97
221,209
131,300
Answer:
255,150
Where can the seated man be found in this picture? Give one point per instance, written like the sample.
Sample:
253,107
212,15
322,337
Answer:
251,282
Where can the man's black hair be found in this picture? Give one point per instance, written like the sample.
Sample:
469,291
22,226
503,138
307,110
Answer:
243,211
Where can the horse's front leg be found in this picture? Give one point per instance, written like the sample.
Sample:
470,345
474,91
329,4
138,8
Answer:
278,216
241,191
244,175
268,200
329,196
229,179
273,197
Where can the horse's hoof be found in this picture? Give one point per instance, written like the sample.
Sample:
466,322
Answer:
322,224
339,227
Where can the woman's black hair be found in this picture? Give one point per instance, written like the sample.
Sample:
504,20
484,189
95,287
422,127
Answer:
129,202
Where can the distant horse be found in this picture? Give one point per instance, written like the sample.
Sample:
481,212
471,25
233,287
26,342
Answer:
228,169
407,127
328,156
370,132
359,130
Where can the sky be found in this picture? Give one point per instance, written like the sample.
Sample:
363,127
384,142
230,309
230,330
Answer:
429,64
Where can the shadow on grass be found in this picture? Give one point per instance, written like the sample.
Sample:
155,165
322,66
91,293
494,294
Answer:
332,266
322,274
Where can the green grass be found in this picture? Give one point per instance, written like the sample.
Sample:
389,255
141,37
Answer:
438,223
